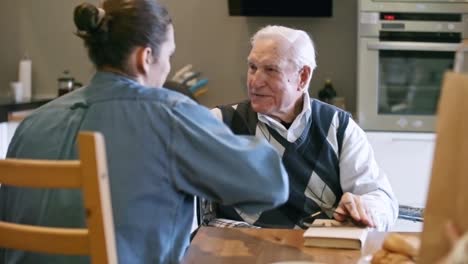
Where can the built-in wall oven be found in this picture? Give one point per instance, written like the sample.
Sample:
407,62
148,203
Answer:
404,49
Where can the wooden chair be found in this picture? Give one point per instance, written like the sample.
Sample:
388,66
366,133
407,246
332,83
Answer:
88,174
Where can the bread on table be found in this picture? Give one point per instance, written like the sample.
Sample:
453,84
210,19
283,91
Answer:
406,245
397,249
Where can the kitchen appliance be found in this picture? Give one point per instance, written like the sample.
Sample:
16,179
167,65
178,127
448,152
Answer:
425,6
65,83
404,49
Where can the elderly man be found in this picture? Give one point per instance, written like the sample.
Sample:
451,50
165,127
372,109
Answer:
331,166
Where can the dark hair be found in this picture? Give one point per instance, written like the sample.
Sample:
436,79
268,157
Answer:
112,32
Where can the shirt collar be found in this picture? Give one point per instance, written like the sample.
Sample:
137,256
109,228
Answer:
105,76
298,125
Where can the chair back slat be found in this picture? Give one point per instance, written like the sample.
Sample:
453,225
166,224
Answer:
88,174
40,173
52,240
97,197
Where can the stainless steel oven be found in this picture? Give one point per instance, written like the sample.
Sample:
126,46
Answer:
435,6
403,53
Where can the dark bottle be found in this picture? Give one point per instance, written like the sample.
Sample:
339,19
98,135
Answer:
65,83
327,93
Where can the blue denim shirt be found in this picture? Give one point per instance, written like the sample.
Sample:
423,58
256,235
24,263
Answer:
162,149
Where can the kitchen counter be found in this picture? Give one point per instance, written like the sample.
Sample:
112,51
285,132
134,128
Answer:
7,106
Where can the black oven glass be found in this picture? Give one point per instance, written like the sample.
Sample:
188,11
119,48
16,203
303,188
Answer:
410,81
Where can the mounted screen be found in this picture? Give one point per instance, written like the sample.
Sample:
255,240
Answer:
291,8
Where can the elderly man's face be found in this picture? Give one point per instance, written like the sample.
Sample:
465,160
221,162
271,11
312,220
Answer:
273,81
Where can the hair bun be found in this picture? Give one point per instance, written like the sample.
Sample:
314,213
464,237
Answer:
87,18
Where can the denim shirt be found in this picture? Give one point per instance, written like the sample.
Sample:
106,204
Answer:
162,149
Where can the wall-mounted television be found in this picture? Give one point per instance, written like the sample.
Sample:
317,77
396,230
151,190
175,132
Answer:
291,8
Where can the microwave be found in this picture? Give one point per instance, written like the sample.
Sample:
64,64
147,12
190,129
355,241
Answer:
422,1
422,6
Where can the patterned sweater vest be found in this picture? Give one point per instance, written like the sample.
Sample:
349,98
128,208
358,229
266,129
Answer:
312,162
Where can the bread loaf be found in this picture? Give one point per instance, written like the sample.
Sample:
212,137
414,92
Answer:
401,244
379,256
385,257
397,249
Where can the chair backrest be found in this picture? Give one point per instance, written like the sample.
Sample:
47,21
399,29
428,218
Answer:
89,174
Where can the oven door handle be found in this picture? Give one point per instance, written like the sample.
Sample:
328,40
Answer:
422,46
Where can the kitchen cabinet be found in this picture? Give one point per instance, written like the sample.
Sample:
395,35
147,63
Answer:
407,160
7,130
3,140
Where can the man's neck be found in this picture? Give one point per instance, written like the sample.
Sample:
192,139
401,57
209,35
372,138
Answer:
286,125
290,116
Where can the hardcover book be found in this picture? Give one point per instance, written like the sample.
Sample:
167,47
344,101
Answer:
333,234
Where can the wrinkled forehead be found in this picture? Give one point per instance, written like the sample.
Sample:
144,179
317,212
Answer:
270,52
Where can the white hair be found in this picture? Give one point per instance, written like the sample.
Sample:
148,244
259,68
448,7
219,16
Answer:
301,46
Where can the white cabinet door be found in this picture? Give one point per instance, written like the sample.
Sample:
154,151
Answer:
3,139
407,160
7,130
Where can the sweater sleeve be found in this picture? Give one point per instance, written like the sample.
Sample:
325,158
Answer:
361,175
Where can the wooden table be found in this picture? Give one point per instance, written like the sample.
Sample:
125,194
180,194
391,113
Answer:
242,245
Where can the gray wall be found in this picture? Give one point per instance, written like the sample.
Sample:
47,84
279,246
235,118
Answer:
218,45
9,32
44,31
215,43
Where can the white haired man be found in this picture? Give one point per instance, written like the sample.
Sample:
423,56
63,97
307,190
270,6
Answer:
331,166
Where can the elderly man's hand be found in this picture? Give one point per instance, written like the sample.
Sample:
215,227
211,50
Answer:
352,206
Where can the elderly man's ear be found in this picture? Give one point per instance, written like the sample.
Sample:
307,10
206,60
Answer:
304,75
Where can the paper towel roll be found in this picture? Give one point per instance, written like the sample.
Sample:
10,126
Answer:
24,76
